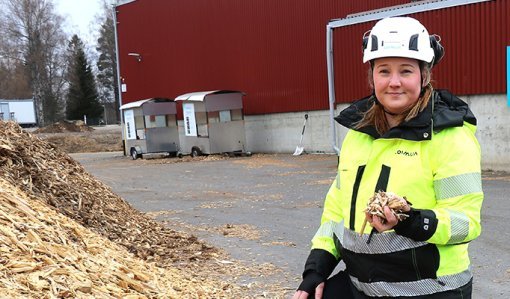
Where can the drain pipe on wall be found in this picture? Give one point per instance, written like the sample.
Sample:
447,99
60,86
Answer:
119,81
331,87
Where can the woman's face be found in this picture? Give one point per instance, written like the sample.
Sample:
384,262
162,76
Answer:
397,83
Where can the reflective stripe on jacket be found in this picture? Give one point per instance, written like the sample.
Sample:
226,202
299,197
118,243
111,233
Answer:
434,161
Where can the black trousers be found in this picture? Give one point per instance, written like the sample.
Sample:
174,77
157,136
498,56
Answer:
339,286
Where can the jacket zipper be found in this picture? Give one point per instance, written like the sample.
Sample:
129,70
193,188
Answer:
355,189
415,264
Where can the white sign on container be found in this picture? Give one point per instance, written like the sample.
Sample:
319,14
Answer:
129,118
190,124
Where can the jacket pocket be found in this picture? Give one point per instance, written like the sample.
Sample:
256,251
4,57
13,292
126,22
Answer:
425,261
406,265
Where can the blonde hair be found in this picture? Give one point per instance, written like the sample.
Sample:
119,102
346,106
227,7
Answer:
375,115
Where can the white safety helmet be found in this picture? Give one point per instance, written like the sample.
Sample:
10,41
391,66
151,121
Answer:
401,37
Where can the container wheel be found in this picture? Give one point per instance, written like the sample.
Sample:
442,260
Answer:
134,154
195,152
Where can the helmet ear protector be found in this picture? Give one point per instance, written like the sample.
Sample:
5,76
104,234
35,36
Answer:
365,41
437,47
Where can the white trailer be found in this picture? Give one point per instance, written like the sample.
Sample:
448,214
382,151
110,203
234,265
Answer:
213,123
150,127
21,111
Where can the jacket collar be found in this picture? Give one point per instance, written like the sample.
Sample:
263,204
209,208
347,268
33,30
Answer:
444,111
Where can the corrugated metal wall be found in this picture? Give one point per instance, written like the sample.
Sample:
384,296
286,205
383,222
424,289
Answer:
274,51
475,37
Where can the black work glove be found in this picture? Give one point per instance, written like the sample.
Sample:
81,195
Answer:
310,281
319,265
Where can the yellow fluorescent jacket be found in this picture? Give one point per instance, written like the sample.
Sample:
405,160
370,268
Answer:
439,174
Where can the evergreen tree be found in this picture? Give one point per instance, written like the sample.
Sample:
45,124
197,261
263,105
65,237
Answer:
107,61
82,96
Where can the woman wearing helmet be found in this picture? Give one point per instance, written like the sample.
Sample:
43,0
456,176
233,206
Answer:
413,141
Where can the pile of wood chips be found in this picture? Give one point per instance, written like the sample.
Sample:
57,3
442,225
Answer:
84,142
47,174
40,244
44,254
65,126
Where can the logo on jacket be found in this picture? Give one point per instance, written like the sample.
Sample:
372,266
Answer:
406,153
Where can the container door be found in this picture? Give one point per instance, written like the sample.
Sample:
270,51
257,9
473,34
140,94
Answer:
161,133
4,111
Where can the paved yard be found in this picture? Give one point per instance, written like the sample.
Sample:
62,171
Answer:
266,208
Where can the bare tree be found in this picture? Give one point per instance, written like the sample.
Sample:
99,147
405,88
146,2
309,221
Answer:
14,82
32,33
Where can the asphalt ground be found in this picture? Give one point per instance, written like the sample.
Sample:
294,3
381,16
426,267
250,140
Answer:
276,201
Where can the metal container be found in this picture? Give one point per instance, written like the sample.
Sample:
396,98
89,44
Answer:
213,123
150,126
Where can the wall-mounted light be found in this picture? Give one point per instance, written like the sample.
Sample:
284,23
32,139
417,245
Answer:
137,55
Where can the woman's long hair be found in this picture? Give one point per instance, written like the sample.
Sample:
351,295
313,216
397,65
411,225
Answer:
376,116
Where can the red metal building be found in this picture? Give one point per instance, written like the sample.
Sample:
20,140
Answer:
275,51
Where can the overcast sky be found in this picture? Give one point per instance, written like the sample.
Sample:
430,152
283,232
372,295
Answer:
79,17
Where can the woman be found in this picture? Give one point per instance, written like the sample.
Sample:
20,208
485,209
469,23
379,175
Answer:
414,141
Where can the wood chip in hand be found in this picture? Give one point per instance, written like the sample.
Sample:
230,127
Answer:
376,204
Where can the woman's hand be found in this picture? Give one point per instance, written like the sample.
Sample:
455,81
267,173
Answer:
379,223
304,295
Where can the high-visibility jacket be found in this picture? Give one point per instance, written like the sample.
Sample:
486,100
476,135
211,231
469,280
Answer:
434,161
